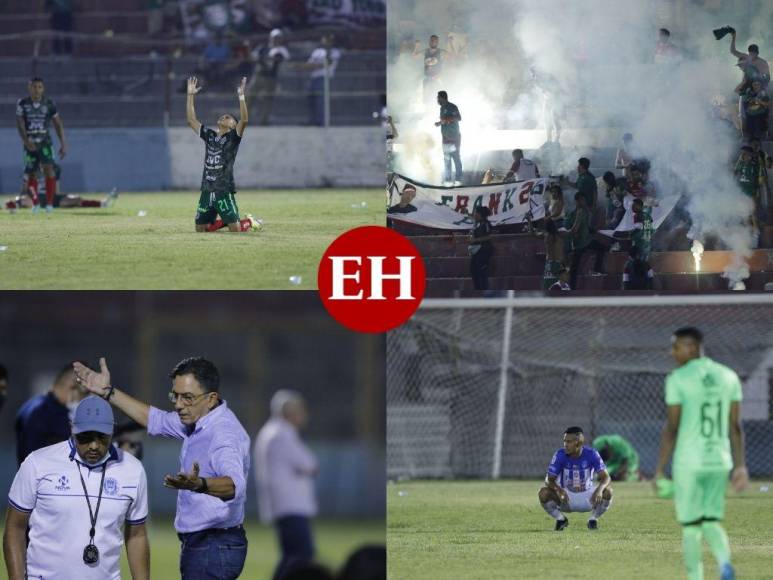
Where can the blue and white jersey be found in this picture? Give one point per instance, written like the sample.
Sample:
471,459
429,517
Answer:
48,487
576,474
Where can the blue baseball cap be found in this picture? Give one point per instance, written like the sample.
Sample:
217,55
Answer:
93,414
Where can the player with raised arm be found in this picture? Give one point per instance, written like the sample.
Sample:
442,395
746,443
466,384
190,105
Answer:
217,183
34,115
703,401
569,482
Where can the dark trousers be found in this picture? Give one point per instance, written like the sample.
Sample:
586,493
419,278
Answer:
216,554
265,88
596,247
317,101
457,159
61,22
479,264
296,543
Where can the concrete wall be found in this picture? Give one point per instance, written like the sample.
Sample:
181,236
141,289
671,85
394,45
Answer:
159,159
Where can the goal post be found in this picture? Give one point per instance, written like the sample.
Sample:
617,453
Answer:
483,388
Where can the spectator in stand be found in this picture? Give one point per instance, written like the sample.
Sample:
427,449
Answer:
747,175
521,168
615,194
586,183
754,67
213,62
323,62
61,21
579,232
637,274
665,50
764,162
556,205
452,137
756,104
269,58
433,67
642,232
554,254
241,65
623,157
562,284
480,248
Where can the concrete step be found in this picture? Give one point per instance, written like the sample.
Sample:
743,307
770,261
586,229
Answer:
594,286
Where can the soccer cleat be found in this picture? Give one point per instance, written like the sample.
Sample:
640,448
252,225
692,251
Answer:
593,524
49,208
110,199
256,224
35,208
561,524
727,572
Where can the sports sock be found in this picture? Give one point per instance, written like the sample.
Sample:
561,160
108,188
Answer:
50,190
716,538
245,224
215,226
600,508
91,203
692,551
552,508
32,188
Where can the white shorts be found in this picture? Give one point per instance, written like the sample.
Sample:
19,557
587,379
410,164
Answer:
578,501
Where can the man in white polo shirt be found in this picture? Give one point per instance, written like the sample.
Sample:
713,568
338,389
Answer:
81,499
284,473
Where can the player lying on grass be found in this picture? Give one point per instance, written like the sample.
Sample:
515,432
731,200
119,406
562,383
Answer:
703,400
569,483
27,199
34,114
218,192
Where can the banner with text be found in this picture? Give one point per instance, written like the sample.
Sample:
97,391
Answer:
451,208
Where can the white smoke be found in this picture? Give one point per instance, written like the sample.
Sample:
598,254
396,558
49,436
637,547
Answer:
598,54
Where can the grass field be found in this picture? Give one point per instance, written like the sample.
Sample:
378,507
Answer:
115,248
489,530
335,541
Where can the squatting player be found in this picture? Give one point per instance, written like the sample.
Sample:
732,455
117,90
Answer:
217,183
34,114
569,483
703,401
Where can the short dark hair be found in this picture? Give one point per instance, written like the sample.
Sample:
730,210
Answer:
584,161
575,430
518,152
442,94
482,210
665,31
689,332
204,371
609,178
36,80
754,48
434,36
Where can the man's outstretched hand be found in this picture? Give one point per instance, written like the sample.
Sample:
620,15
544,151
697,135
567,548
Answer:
94,382
189,481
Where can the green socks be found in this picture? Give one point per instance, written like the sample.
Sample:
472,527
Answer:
693,551
717,540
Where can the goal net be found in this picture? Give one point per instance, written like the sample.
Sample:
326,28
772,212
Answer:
482,388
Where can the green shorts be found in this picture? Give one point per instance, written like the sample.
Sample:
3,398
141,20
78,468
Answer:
699,495
43,155
212,203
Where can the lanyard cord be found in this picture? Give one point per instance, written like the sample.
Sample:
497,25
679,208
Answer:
93,515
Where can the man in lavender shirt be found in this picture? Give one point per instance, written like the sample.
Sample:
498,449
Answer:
214,462
284,473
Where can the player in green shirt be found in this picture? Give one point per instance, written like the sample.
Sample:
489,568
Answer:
703,401
217,182
620,457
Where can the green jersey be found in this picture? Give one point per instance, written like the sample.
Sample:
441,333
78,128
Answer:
36,117
582,237
450,131
621,455
219,160
642,237
747,174
587,186
704,389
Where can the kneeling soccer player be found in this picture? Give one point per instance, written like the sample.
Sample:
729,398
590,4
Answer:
570,485
217,183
